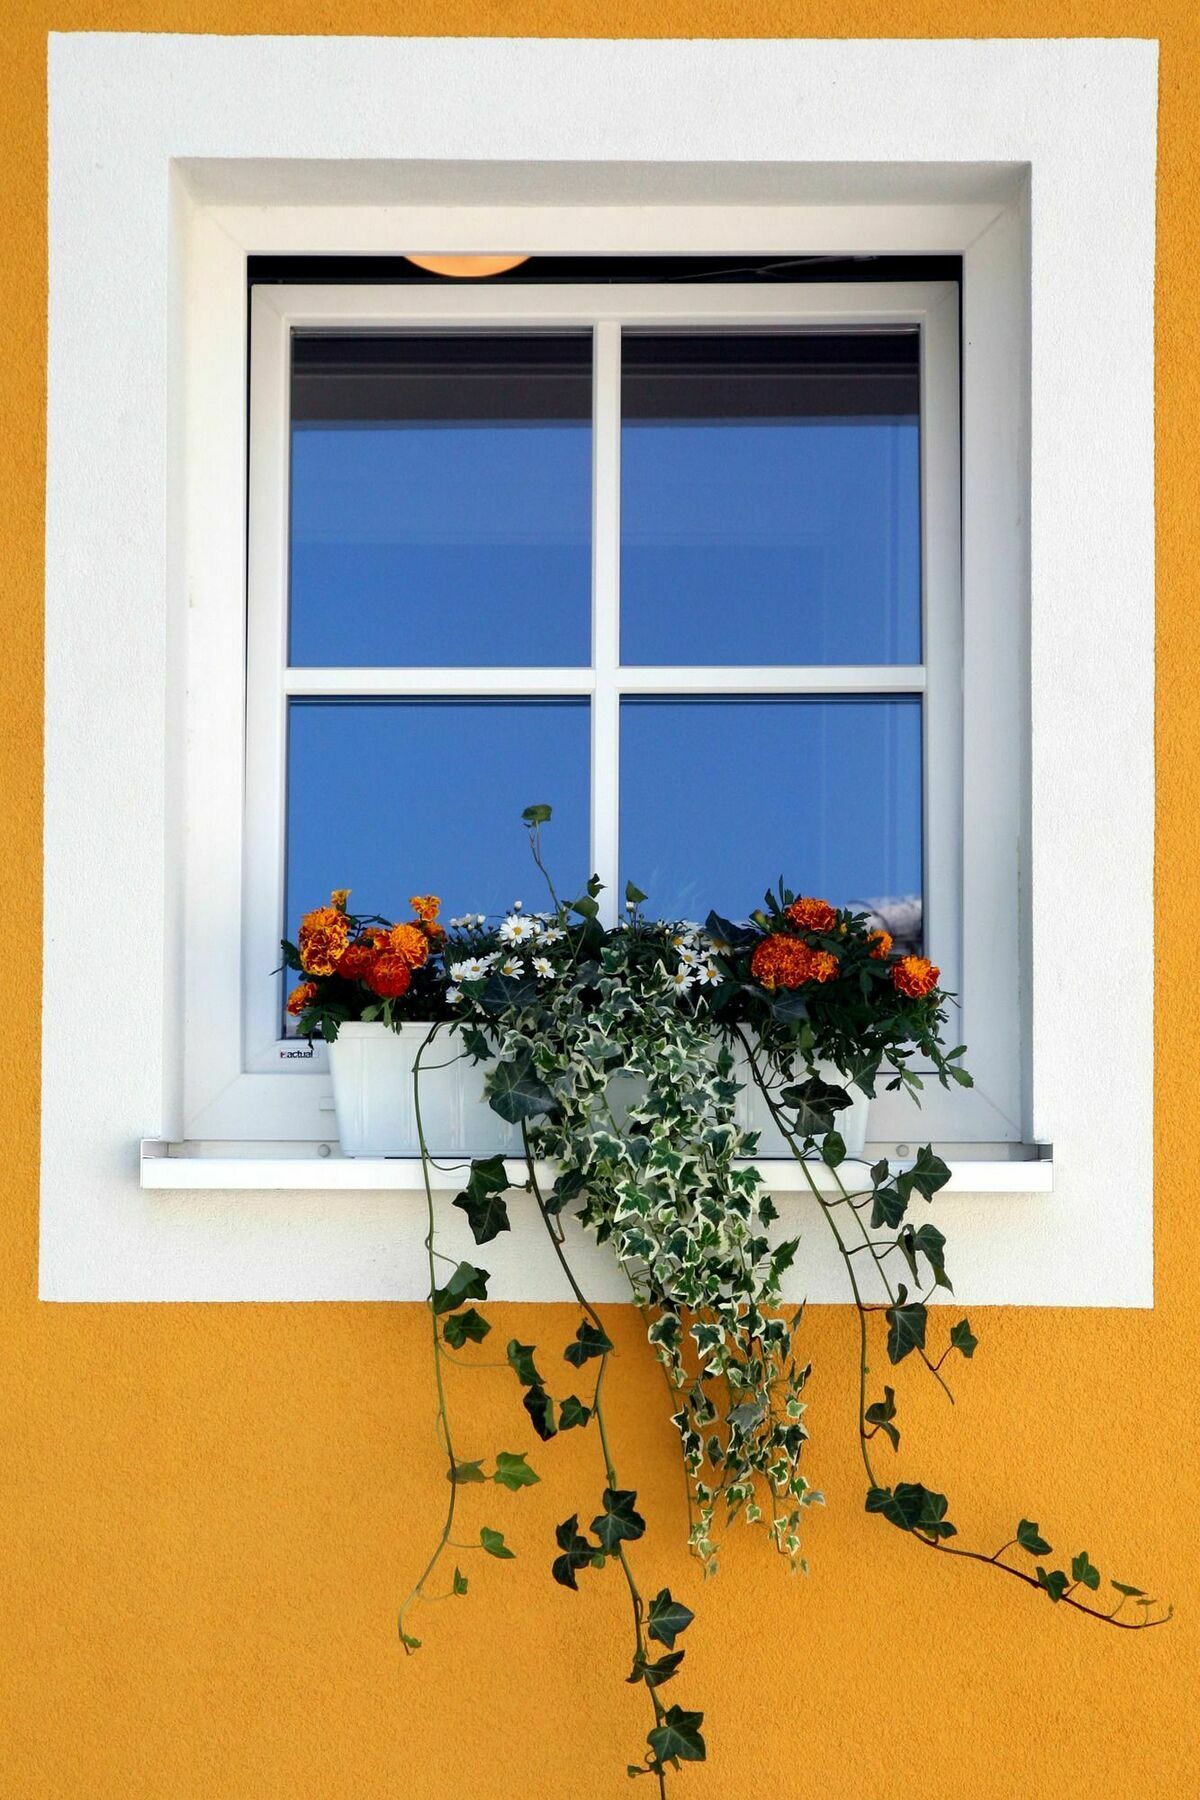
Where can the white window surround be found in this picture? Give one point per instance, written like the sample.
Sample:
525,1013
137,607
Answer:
205,149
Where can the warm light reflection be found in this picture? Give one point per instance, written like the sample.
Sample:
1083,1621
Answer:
471,267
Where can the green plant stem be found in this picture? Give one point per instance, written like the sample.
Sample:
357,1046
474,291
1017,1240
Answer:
938,1544
635,1598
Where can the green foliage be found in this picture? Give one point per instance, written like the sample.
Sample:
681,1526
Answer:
815,1104
906,1326
667,1618
573,1412
513,1472
962,1337
881,1414
1054,1582
512,1087
460,1581
589,1341
540,1407
520,1358
486,1212
1085,1572
466,1283
462,1327
678,1738
617,1522
493,1542
912,1507
576,1552
1031,1539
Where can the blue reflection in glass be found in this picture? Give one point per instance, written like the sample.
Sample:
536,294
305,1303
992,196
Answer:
770,499
720,796
400,797
441,501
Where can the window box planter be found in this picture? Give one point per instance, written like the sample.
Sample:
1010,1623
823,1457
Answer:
372,1070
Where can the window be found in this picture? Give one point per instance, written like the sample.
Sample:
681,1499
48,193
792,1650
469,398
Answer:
682,561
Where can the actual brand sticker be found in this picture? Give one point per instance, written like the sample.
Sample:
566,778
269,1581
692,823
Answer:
297,1053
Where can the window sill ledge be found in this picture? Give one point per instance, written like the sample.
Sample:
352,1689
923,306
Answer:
178,1165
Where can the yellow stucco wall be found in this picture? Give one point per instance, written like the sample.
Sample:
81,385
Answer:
207,1512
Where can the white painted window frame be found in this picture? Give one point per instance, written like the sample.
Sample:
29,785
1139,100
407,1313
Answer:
173,157
258,1097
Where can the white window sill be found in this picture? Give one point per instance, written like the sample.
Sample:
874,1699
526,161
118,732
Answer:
175,1165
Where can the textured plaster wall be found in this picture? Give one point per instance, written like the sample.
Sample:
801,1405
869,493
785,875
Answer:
206,1513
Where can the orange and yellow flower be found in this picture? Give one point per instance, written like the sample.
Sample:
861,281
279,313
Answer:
881,944
410,943
812,915
324,934
915,976
426,906
389,975
301,998
357,958
781,961
338,899
825,965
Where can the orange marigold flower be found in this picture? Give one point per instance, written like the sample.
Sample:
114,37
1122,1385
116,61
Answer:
409,942
426,906
301,998
357,958
881,944
781,961
323,937
825,965
812,915
915,976
389,975
338,899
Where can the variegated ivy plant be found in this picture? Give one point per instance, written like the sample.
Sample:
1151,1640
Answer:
620,1054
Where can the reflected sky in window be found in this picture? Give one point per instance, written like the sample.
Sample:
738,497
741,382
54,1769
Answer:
720,796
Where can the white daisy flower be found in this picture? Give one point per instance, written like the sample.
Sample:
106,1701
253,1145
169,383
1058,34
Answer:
688,957
552,935
453,995
683,979
708,975
543,968
511,966
473,969
682,939
516,930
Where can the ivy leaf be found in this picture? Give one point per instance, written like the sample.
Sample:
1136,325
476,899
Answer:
912,1507
589,1341
654,1673
788,1005
677,1738
466,1283
814,1102
1130,1593
1085,1571
1030,1538
962,1338
906,1326
486,1212
1054,1582
888,1207
520,1358
513,1472
633,895
577,1553
493,1542
540,1407
573,1412
927,1175
410,1643
881,1413
929,1243
463,1473
833,1149
618,1522
738,937
460,1582
536,815
463,1325
513,1090
667,1618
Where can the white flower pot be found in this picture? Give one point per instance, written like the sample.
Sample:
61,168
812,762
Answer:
372,1070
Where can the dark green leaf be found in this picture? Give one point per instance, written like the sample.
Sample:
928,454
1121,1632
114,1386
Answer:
573,1412
667,1618
536,815
1131,1593
513,1472
513,1090
888,1207
618,1522
493,1542
929,1243
520,1358
738,937
460,1582
815,1104
1054,1582
463,1473
906,1326
1085,1571
677,1738
634,895
540,1407
833,1149
589,1341
577,1552
655,1673
410,1643
962,1339
466,1283
881,1414
927,1175
486,1213
463,1325
1029,1538
912,1507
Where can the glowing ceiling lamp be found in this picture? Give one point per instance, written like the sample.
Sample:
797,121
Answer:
468,267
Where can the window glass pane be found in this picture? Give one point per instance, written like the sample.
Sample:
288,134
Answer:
398,797
441,500
719,797
770,499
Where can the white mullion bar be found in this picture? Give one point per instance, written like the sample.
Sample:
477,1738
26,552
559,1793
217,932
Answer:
606,610
874,679
509,683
